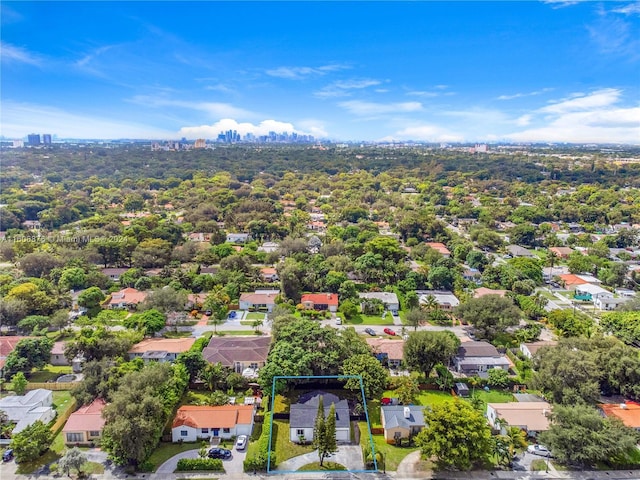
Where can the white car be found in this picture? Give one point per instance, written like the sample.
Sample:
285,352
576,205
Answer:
539,450
241,442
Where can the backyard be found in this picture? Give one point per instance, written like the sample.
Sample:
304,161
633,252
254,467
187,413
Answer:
48,373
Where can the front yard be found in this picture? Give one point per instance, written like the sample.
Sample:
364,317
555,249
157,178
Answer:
391,454
284,448
362,319
166,450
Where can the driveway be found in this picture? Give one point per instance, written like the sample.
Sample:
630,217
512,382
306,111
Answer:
234,465
348,455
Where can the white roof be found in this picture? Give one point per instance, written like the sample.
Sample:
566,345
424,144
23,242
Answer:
386,297
442,297
593,290
31,398
588,278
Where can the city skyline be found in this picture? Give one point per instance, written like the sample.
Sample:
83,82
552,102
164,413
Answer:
555,71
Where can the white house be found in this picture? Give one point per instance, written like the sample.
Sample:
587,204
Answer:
389,299
194,422
28,408
530,349
532,417
444,298
607,303
259,300
593,291
302,417
401,421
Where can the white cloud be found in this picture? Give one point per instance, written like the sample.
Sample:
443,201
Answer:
429,133
528,94
298,73
341,88
585,118
630,9
214,109
13,53
360,108
597,99
20,119
220,88
262,128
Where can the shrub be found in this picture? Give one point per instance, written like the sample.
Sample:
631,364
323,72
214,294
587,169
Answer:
194,464
258,461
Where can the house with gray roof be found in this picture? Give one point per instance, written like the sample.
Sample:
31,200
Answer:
302,417
26,409
389,299
477,358
401,421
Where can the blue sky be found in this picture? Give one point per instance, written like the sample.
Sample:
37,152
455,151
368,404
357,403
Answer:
556,71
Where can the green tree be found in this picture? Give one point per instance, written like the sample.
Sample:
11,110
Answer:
149,321
90,298
497,377
456,434
416,317
218,302
374,376
193,362
423,350
490,315
19,383
406,389
31,442
165,300
73,459
319,430
29,353
73,278
580,436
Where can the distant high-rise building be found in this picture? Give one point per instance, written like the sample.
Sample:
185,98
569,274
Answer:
33,139
46,138
200,143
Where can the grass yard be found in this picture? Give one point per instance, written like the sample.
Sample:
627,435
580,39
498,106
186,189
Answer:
195,397
326,467
176,334
494,396
62,401
26,468
222,333
426,397
50,372
167,450
284,448
254,316
362,319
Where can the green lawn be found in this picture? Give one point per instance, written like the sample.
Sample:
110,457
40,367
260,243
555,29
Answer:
222,333
284,448
195,397
62,401
326,466
426,397
371,320
26,468
494,396
167,450
254,316
50,372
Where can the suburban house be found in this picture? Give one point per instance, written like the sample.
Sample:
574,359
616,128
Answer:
199,237
591,292
628,413
84,426
389,300
57,355
160,349
238,353
532,417
400,421
269,274
302,417
195,301
482,291
387,350
518,251
445,299
607,303
259,300
572,281
238,237
320,301
440,248
27,409
269,247
476,358
530,349
194,422
114,274
561,252
126,298
8,345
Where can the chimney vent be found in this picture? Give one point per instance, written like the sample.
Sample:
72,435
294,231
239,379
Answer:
407,412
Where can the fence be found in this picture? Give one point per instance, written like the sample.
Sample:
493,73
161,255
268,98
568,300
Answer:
52,386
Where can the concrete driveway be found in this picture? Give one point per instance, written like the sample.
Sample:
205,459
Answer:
234,465
348,455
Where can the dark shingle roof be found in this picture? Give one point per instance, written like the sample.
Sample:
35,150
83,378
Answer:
303,415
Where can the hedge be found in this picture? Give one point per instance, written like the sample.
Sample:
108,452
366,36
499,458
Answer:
195,464
259,460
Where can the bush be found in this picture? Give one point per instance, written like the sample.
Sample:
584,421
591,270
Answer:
194,464
258,461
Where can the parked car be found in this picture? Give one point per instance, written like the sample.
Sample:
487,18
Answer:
221,453
7,456
539,450
370,331
232,314
388,331
338,321
208,312
241,442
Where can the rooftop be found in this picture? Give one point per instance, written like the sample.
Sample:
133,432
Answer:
225,416
171,345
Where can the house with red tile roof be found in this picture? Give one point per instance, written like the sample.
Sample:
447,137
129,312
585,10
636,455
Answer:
482,291
126,298
571,281
440,248
320,301
8,345
387,350
193,422
269,274
161,349
561,252
84,426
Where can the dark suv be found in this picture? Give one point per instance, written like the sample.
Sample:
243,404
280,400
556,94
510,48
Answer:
221,453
